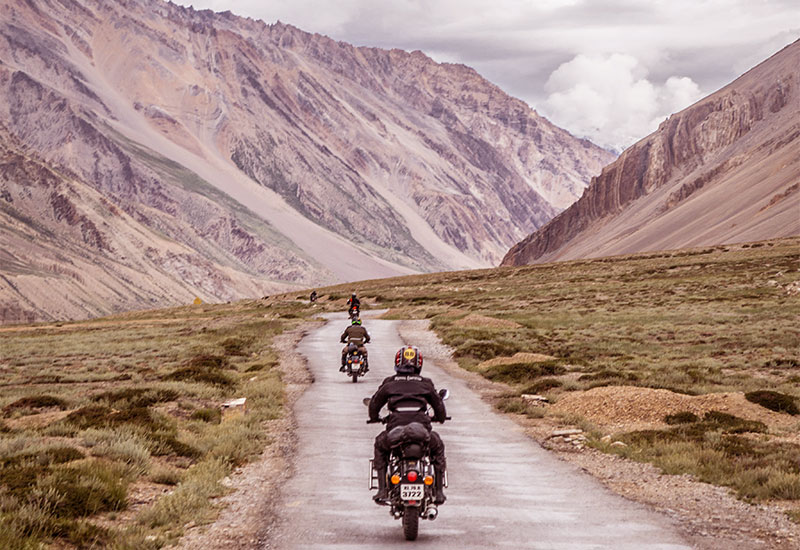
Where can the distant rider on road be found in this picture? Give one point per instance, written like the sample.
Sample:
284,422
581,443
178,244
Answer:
354,303
355,334
408,395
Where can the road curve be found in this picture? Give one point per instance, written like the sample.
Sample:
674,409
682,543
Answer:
505,490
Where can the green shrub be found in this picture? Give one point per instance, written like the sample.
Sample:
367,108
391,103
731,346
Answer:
543,385
729,423
487,349
207,361
235,346
774,401
52,455
91,416
87,489
517,373
683,417
36,402
137,397
165,475
207,415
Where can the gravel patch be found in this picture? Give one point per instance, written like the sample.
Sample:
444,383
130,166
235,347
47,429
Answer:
623,407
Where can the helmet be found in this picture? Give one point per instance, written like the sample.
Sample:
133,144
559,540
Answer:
408,360
353,295
355,321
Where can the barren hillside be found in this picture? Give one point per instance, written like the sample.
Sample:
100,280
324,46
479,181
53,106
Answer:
725,170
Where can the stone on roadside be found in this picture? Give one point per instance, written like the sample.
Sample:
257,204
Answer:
234,408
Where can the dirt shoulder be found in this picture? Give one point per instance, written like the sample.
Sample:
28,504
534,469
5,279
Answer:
247,512
710,517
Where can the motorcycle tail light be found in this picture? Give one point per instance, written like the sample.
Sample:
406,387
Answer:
428,480
395,479
412,476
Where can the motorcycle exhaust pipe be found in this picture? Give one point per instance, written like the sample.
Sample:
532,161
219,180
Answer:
431,512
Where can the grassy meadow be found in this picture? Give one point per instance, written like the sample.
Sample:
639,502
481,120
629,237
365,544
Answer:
695,322
111,434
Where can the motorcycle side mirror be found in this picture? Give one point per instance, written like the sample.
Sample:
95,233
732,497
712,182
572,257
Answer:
444,394
366,401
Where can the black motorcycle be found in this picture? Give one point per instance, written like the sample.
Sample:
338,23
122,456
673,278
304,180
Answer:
354,312
356,362
410,475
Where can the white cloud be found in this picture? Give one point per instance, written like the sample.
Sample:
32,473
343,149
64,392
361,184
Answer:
608,98
677,47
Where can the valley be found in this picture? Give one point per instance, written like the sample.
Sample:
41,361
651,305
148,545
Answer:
677,327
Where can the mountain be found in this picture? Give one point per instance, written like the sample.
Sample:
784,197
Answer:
725,170
152,153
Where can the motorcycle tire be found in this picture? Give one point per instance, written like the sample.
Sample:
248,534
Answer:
411,522
355,376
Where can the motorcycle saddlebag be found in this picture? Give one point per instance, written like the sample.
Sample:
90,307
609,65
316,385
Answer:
410,433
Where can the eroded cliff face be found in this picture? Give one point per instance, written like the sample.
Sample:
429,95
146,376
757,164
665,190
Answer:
724,170
264,153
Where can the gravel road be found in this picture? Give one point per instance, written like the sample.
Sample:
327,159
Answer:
505,491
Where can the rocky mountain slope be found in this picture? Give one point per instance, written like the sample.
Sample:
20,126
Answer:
725,170
219,156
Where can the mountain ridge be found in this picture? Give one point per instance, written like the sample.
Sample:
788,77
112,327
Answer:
724,170
273,154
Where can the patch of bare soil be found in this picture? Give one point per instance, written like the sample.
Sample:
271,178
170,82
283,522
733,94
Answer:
631,408
247,513
481,321
709,517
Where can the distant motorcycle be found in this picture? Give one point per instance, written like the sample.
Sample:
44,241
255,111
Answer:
411,475
354,312
356,363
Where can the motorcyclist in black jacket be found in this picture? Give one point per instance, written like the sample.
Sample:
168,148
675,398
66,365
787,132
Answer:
408,395
358,335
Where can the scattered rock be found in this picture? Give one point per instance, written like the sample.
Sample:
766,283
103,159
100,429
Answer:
562,433
534,398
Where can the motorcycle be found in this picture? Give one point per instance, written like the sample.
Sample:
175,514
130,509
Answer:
410,475
354,312
356,363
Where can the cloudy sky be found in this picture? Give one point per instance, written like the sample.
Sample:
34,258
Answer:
609,70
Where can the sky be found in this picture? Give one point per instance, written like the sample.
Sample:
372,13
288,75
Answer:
607,70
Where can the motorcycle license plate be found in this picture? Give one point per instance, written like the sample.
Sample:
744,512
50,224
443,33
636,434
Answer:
412,492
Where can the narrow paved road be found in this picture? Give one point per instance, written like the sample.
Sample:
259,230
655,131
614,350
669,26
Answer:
505,490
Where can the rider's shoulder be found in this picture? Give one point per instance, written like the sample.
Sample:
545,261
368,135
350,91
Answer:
407,378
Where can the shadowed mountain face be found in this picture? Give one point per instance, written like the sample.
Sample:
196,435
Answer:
191,153
725,170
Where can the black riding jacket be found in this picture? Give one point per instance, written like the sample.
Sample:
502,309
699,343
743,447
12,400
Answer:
408,397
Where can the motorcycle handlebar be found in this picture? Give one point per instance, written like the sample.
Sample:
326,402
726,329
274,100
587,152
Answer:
385,418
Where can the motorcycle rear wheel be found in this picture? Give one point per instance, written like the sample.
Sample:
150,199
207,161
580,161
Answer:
411,522
355,376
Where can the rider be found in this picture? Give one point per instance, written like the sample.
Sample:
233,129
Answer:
355,334
354,303
408,395
313,297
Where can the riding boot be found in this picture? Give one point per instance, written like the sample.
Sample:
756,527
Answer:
344,362
383,491
438,486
